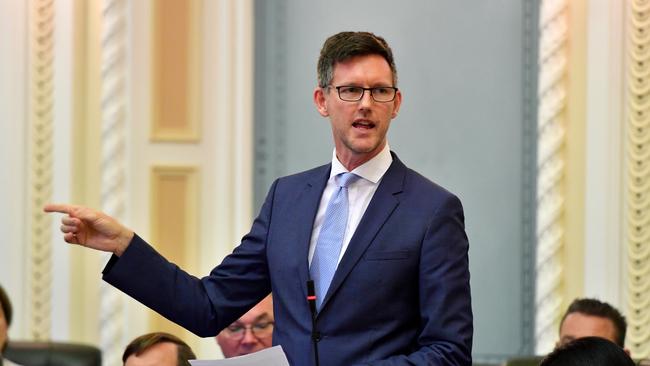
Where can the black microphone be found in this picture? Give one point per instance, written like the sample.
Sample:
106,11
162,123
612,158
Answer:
315,336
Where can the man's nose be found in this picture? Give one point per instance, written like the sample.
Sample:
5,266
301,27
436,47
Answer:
249,338
366,99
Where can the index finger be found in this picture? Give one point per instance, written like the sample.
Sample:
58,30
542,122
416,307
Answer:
59,207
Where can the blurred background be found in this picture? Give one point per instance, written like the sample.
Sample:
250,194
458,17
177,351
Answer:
176,116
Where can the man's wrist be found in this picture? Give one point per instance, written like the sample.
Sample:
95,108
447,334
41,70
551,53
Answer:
123,242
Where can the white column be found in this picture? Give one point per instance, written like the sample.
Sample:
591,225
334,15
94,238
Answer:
603,205
113,163
228,108
41,111
636,182
551,165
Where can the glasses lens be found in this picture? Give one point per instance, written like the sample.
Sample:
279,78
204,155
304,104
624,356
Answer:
236,331
383,94
259,330
355,93
262,330
350,93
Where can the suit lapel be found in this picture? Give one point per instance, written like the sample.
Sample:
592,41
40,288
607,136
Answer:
306,209
382,205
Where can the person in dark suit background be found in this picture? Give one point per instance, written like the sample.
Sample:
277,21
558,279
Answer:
157,348
385,247
6,315
588,351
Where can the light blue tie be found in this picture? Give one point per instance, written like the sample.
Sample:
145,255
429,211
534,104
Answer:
330,239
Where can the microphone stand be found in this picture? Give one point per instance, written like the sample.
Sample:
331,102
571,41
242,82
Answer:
311,299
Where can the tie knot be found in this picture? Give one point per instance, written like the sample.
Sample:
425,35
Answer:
345,179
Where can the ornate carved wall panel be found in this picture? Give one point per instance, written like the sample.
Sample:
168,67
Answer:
175,69
174,193
179,43
41,23
637,213
174,226
113,162
551,121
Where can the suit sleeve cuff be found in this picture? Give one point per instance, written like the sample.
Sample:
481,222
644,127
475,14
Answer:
131,258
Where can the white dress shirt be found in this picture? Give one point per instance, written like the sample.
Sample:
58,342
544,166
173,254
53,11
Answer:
360,193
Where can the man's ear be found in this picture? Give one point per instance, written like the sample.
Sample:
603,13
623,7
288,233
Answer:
397,103
320,101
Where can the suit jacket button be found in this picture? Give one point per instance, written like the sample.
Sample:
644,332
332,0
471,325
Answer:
316,336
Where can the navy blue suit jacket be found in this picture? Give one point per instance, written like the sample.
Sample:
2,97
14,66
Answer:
400,295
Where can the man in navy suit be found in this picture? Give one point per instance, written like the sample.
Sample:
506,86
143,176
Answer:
399,293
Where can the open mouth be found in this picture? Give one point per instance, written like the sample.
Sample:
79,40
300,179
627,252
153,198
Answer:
363,124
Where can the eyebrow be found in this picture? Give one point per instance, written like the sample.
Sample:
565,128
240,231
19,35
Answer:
264,316
379,85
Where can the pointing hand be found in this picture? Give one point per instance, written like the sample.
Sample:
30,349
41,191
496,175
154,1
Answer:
92,229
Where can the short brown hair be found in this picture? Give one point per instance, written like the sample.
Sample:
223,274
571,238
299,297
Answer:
345,45
6,306
144,342
593,307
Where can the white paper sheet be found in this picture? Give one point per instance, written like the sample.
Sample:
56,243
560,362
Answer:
273,356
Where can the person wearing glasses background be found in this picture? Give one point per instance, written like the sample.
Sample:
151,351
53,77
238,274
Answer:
6,315
251,333
385,247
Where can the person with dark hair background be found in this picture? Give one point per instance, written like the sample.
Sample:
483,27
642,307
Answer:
588,351
6,314
590,317
160,349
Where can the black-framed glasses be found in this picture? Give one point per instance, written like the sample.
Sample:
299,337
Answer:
351,93
260,330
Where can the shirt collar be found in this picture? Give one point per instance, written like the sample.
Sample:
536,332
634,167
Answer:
372,170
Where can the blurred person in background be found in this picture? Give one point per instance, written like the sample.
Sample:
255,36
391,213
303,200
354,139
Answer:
160,349
251,333
588,351
592,318
6,314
